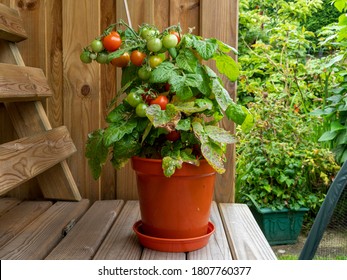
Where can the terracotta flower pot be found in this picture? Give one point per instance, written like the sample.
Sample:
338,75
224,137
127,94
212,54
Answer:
175,207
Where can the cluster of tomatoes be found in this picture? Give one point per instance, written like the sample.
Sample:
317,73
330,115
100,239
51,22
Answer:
154,46
150,49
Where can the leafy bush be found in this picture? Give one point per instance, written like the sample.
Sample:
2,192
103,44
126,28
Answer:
278,164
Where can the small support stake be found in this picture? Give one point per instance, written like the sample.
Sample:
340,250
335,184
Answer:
127,12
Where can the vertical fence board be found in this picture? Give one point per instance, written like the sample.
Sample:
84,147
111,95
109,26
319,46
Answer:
219,19
187,13
107,93
54,61
81,86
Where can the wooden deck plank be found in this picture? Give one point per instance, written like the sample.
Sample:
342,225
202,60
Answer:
121,242
85,237
7,203
14,221
217,247
43,234
22,83
149,254
246,239
28,157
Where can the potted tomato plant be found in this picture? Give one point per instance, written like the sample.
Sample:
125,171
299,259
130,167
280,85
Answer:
167,123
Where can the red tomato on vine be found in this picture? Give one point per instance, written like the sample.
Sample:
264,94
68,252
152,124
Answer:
112,41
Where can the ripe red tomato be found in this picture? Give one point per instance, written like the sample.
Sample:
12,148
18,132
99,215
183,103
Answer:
112,41
137,57
161,100
121,61
173,135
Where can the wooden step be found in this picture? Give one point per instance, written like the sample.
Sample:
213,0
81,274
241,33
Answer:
23,159
121,242
246,239
14,221
39,238
22,83
11,25
83,240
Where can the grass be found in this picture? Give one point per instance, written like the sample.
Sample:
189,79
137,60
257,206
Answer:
318,258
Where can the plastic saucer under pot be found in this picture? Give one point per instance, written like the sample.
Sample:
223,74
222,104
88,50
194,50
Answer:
173,245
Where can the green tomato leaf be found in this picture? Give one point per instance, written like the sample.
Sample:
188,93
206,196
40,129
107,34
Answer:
170,164
214,156
129,74
206,48
212,151
204,103
162,73
118,114
219,135
204,85
183,124
96,152
186,60
114,133
227,66
163,118
222,95
223,47
125,148
193,80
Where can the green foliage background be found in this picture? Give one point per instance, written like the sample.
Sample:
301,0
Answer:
293,79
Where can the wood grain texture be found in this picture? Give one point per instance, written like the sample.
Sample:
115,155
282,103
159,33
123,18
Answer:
30,118
11,25
219,19
22,83
7,203
246,239
217,247
186,13
107,93
53,67
41,236
14,221
121,242
83,240
81,108
27,157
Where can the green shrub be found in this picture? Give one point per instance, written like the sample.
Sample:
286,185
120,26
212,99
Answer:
278,164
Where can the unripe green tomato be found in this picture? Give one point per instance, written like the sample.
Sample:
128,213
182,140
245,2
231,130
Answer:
102,57
85,57
133,99
144,74
141,110
170,41
154,44
97,45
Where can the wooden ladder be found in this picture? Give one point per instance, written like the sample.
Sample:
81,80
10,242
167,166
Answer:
41,151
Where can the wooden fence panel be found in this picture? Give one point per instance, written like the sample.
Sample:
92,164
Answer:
58,29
